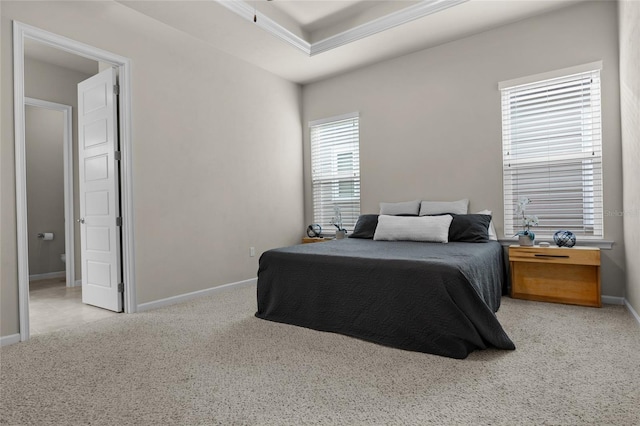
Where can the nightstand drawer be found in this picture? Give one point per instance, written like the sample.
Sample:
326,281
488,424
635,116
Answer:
559,255
573,284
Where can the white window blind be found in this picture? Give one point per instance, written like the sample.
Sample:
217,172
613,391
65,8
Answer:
335,171
552,154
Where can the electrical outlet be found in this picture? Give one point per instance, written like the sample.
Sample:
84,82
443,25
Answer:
252,251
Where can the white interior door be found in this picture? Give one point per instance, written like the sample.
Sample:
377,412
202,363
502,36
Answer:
99,191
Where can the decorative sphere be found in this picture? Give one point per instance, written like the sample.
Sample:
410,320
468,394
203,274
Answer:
314,230
564,238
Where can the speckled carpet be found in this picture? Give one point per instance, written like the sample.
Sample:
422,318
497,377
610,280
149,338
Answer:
210,361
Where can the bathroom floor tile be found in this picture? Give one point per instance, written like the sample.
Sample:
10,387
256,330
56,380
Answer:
54,306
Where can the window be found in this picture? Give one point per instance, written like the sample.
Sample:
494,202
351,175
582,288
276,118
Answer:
552,151
335,170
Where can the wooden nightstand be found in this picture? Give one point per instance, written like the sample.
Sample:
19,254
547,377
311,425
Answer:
556,274
307,240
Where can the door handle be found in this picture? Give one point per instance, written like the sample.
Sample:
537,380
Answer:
81,220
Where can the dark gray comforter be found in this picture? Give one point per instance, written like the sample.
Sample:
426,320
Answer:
426,297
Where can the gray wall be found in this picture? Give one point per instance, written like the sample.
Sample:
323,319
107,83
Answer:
217,152
629,16
431,121
44,139
53,83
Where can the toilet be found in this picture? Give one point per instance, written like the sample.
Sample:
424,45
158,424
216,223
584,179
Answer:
63,257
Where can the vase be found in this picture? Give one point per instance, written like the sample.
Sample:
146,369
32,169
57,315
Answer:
564,238
525,240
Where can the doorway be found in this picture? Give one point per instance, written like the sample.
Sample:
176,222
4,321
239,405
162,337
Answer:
22,33
55,301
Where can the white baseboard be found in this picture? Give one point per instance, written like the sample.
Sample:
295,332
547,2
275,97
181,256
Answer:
10,339
612,300
77,283
59,274
633,311
188,296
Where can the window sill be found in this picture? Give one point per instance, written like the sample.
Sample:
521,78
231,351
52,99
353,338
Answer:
601,244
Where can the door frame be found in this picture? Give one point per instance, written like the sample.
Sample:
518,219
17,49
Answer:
21,32
67,149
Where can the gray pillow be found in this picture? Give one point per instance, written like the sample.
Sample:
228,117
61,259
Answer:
442,207
404,208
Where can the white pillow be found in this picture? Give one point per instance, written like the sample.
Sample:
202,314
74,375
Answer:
407,207
492,230
441,207
401,228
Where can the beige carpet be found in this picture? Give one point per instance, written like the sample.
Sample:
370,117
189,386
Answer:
209,361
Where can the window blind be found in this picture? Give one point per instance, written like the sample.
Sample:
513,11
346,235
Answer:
335,171
552,154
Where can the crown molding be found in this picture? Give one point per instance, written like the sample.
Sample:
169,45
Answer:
403,16
408,14
247,12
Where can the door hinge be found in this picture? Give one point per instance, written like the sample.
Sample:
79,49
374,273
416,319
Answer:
117,155
118,221
116,89
120,287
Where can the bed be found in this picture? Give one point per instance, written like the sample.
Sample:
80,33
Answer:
428,297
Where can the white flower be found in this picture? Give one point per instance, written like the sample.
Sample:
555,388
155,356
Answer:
530,221
527,220
337,219
522,205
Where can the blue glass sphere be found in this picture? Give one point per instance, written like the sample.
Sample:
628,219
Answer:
564,238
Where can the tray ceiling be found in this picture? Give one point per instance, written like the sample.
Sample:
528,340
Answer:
309,40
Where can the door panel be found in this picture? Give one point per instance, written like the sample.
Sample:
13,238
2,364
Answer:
99,186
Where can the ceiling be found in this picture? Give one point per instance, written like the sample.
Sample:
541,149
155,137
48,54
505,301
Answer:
311,21
308,40
319,18
310,12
